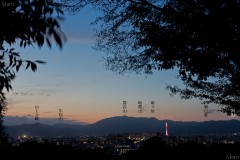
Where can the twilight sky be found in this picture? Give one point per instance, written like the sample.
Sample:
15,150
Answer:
76,80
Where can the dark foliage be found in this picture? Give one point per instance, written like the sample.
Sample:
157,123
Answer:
153,148
199,38
158,148
32,150
24,23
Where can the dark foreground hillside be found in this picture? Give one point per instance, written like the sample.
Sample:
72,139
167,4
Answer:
156,149
151,149
47,152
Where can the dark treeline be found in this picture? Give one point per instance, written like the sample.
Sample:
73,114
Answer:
155,148
36,151
151,149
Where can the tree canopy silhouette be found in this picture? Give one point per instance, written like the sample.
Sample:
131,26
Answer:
199,38
24,23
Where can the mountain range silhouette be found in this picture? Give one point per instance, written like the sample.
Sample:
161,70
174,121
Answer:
125,124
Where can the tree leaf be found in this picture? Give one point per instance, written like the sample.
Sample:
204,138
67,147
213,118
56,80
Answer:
33,66
57,38
17,54
28,64
10,51
10,60
40,40
21,43
49,43
39,61
19,65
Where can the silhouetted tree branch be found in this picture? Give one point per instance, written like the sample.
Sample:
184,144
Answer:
199,38
24,23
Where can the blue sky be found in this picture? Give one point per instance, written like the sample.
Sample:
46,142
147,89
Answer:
76,80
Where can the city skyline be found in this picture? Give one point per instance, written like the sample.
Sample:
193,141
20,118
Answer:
76,81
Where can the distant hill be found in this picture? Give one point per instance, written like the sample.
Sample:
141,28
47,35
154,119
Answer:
125,124
18,120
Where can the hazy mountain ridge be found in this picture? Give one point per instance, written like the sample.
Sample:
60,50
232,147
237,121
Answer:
124,124
18,120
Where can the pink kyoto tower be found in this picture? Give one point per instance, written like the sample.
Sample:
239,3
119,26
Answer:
166,129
